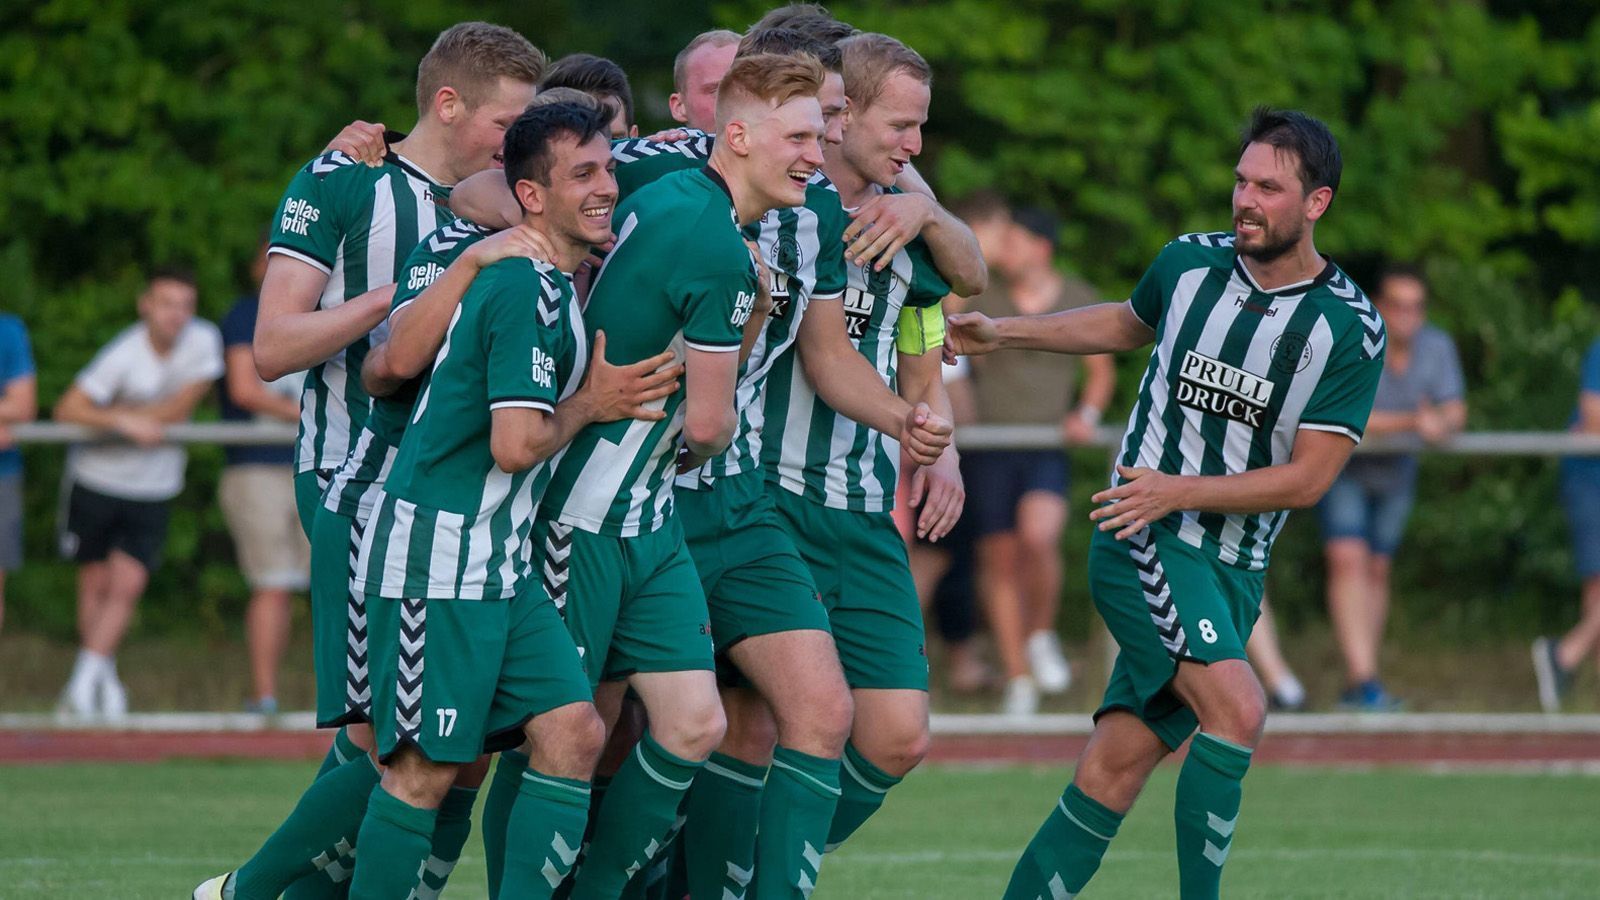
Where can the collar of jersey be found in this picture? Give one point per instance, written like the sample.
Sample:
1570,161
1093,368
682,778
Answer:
715,177
1298,287
390,138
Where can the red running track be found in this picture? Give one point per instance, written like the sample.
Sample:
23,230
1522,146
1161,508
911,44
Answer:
1488,750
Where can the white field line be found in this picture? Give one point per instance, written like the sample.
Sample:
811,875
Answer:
1263,854
942,723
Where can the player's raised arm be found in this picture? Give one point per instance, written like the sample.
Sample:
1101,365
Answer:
486,199
1101,328
292,334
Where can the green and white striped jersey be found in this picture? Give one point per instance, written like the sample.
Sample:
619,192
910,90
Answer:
356,223
1237,371
679,276
355,487
449,522
807,447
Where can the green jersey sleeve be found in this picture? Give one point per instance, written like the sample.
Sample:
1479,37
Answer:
310,224
715,309
832,274
1149,299
429,259
928,287
521,339
1342,399
640,161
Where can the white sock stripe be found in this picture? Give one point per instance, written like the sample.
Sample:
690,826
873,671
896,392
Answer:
779,764
1062,805
731,775
580,791
859,778
638,752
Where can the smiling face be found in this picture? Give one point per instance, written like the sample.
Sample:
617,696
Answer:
576,206
881,138
478,131
1271,208
785,150
834,102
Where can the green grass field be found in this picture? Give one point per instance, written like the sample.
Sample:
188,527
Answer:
153,831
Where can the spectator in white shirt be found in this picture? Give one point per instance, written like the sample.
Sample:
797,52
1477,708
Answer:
150,376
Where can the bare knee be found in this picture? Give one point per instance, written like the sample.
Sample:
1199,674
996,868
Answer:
752,729
693,731
417,781
1347,557
1118,760
566,741
895,750
816,720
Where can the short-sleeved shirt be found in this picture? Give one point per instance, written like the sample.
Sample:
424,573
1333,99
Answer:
1237,372
1586,467
16,361
238,330
357,484
358,224
1433,375
804,251
680,276
129,371
450,523
812,450
1026,387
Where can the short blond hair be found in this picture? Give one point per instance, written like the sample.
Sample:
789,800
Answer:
769,78
870,60
470,57
720,37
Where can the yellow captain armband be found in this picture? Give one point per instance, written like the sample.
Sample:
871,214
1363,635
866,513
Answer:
921,328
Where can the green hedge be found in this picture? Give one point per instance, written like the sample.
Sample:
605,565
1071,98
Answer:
134,133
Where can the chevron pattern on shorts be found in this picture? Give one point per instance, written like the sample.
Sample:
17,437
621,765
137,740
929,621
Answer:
557,557
1158,594
408,681
358,688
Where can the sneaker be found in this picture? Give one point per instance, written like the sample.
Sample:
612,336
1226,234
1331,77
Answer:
77,698
1369,696
1050,669
265,706
1554,681
113,697
211,888
1021,697
1287,696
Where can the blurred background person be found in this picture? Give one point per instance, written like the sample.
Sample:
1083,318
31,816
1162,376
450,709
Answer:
257,496
1556,660
18,403
1421,393
1285,693
1018,498
150,376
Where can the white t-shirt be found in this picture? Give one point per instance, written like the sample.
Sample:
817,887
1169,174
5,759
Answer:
129,371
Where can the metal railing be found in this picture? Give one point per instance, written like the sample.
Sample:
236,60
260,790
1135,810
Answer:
971,437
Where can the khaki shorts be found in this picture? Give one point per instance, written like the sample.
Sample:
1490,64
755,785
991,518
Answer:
258,504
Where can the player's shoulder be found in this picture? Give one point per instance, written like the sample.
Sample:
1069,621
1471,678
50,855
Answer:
694,148
1208,247
451,237
1349,312
822,196
335,167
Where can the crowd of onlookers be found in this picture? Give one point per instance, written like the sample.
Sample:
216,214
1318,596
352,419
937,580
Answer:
1001,567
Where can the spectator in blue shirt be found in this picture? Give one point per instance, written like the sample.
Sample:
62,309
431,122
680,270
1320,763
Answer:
1556,660
1421,392
257,497
18,403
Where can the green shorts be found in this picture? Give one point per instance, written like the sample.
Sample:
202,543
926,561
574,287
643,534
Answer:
459,678
338,621
1165,601
308,488
633,604
858,562
754,579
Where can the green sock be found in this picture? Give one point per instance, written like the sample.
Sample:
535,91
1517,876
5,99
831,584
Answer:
718,842
317,837
450,833
862,786
597,795
497,806
394,841
322,886
640,808
1207,809
544,834
665,878
1066,850
796,813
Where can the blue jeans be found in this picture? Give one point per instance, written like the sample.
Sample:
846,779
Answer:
1353,508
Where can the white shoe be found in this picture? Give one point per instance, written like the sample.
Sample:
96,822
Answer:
78,697
211,888
1021,697
113,698
1049,664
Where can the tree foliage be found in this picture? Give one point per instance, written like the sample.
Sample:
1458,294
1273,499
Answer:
134,132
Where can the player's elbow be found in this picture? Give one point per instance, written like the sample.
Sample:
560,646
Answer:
971,282
708,434
512,452
1308,490
269,365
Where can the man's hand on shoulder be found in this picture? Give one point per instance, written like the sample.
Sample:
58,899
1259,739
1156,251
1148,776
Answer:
362,142
884,225
518,240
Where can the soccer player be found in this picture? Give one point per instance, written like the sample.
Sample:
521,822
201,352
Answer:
1266,362
696,72
680,275
445,563
340,238
601,79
